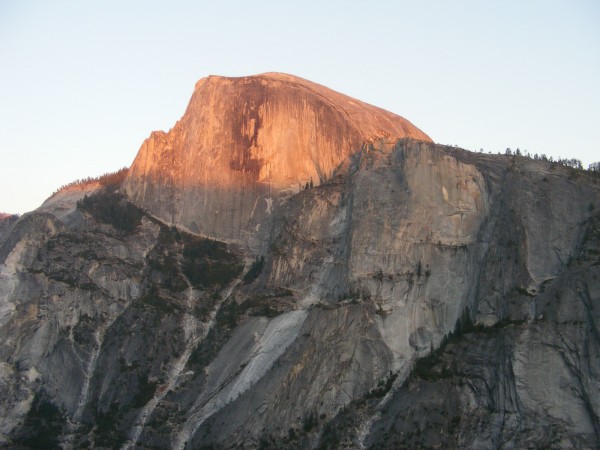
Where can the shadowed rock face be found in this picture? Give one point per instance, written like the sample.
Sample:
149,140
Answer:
244,143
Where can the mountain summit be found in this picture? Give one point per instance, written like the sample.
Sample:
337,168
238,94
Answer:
243,142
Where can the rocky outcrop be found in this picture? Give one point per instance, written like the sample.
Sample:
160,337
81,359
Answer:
420,296
245,143
7,222
522,382
82,297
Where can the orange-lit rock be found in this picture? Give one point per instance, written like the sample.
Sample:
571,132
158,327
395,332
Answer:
244,144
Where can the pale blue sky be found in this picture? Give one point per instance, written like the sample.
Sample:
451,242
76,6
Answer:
83,83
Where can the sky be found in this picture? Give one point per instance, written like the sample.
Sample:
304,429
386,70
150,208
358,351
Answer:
82,84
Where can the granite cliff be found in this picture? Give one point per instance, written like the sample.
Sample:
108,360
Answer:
416,295
245,144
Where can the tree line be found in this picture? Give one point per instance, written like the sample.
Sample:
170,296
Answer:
109,180
567,162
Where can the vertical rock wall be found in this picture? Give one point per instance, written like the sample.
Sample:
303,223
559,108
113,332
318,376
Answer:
244,144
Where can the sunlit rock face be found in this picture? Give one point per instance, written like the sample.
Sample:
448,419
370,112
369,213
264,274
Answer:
244,144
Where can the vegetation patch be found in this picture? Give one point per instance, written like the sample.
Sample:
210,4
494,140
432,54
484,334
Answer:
113,209
146,391
208,263
106,432
355,296
43,425
228,315
64,258
521,290
83,331
263,305
162,305
383,387
203,309
590,245
309,421
430,368
255,270
204,353
164,259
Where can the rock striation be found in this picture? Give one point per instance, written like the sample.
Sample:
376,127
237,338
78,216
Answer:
245,143
417,296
